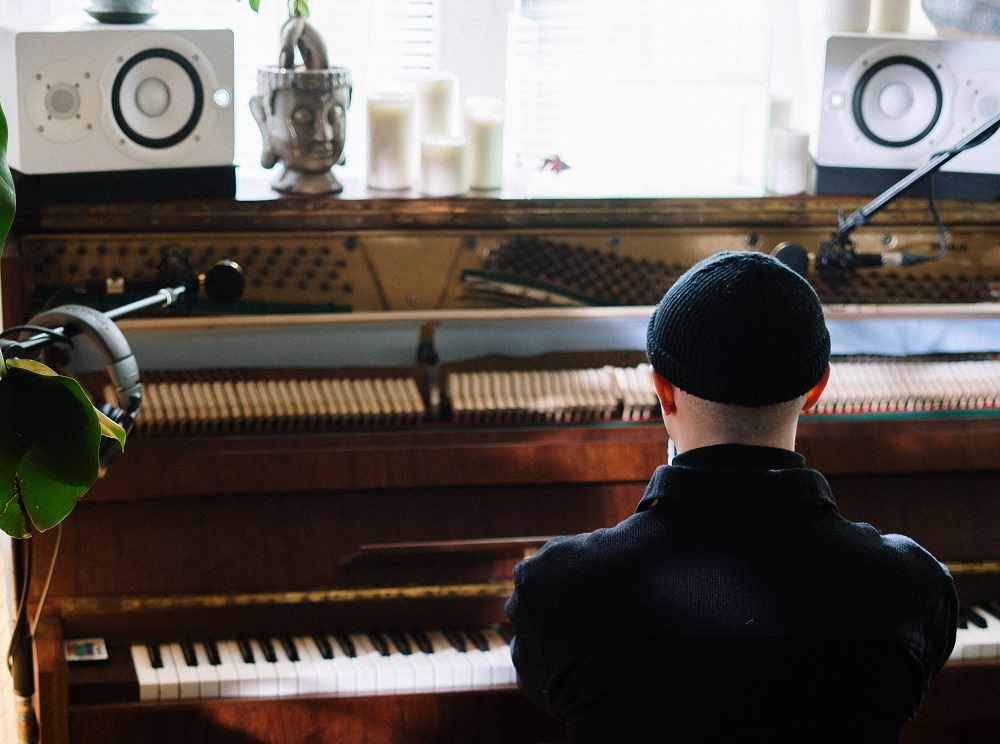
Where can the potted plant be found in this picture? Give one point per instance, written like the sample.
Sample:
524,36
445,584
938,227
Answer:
298,8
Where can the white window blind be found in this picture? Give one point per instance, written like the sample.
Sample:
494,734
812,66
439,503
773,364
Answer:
638,97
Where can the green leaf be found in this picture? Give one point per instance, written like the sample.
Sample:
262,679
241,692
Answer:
7,200
255,5
46,500
111,429
57,423
53,435
11,520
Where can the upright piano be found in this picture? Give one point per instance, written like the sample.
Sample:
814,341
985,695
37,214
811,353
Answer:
310,534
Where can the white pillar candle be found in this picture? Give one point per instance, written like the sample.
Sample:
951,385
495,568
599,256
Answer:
391,141
484,140
846,15
442,166
790,172
437,105
890,15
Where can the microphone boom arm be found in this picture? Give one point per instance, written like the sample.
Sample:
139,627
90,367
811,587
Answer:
861,216
164,298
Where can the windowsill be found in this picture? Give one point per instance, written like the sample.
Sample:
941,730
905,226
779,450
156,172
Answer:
257,206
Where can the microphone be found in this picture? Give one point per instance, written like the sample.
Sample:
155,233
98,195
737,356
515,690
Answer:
836,261
224,282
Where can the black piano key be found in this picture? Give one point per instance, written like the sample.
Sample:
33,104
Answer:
422,641
212,652
346,644
378,641
506,632
245,650
155,657
992,607
477,638
190,657
325,649
289,645
971,617
400,641
268,650
455,639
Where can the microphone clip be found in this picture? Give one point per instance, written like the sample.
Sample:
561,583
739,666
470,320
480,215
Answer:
836,260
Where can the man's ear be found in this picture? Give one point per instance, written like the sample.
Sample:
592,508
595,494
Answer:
812,397
664,391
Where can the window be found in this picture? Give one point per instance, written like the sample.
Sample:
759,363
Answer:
636,97
639,97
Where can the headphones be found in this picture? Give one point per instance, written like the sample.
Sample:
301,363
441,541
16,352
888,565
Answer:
121,365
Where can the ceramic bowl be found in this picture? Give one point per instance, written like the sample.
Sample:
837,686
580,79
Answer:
964,17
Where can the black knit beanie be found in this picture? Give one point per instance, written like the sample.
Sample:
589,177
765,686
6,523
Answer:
740,327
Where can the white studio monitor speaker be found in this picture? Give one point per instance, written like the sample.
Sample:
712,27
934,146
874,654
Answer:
891,103
124,112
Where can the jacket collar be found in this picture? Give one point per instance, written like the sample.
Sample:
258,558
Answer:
735,472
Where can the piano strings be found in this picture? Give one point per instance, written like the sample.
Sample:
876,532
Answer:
271,400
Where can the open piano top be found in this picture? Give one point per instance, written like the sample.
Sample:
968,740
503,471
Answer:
302,474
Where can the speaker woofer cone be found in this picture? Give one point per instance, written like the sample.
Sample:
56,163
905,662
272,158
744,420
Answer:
183,110
897,101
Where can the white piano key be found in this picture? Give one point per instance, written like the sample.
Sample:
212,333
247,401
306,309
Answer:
229,674
404,667
188,685
208,674
977,642
306,674
288,677
503,666
423,668
267,672
455,670
362,667
326,670
991,650
246,672
482,672
385,671
166,675
149,682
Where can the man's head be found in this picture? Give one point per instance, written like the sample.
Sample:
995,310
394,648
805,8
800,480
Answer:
740,328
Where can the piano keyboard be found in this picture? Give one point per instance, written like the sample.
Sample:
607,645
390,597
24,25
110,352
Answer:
978,635
367,663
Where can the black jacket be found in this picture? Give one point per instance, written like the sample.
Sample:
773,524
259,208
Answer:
735,605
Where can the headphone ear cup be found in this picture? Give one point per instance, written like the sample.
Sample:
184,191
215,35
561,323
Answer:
120,363
109,447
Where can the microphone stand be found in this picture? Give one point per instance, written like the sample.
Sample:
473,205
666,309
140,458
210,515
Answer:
837,256
164,298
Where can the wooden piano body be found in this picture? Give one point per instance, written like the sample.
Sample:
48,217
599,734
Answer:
284,530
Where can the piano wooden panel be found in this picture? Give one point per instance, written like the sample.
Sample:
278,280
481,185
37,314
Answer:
217,536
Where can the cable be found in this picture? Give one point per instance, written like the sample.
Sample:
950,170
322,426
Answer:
942,239
22,603
48,579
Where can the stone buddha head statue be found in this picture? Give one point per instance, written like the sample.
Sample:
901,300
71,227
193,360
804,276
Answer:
302,113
